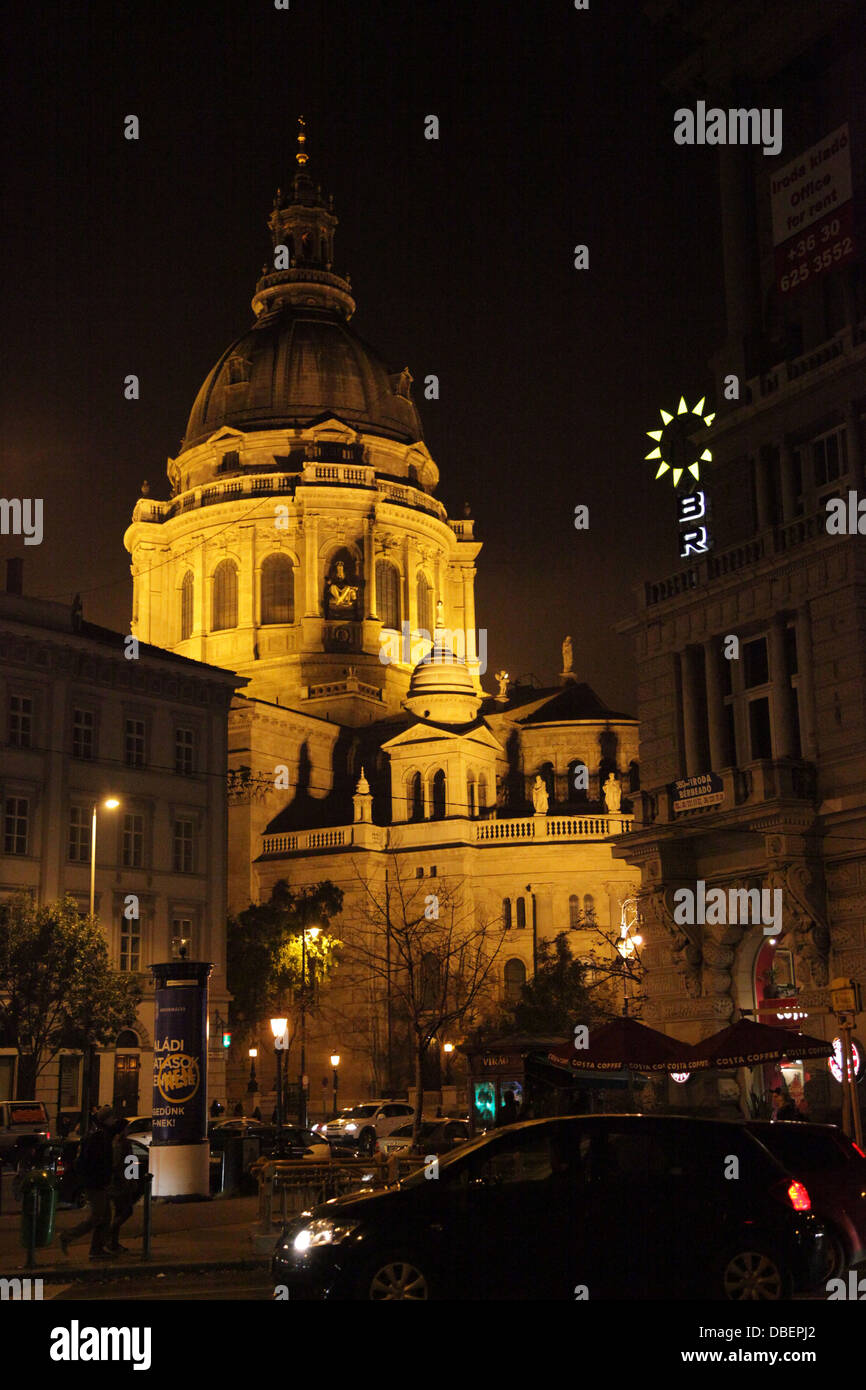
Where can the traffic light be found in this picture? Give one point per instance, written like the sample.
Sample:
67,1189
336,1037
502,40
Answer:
227,1039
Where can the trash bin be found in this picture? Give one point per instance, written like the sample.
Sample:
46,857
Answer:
233,1165
38,1208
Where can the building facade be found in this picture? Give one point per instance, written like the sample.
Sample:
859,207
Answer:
303,546
751,657
89,717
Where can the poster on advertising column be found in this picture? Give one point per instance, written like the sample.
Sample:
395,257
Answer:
180,1053
813,212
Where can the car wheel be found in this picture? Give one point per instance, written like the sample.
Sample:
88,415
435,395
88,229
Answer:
394,1276
755,1275
837,1262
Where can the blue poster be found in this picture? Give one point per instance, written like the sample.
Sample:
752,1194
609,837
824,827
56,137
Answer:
179,1057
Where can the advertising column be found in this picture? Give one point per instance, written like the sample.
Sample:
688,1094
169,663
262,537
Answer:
179,1149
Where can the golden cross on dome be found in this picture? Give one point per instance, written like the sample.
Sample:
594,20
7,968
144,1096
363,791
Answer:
301,155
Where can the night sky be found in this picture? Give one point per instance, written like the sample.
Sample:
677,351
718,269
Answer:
555,129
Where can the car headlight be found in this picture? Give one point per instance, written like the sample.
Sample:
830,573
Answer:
350,1129
323,1231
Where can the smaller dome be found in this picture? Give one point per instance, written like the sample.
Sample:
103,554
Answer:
442,690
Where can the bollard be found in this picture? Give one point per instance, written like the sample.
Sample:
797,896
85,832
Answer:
148,1216
31,1244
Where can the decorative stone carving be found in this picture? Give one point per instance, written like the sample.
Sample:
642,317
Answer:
802,907
685,950
540,799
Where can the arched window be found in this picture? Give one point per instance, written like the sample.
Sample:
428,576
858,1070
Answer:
515,979
425,603
388,594
187,590
416,797
278,604
127,1039
588,905
521,912
482,792
431,980
506,913
470,789
439,795
573,911
225,596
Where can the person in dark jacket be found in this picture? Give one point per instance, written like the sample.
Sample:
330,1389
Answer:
93,1167
125,1185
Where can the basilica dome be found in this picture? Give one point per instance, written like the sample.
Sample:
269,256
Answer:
296,364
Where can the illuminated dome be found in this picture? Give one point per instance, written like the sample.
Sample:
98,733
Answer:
301,361
441,689
295,365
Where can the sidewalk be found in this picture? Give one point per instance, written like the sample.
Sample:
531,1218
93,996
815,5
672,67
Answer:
185,1236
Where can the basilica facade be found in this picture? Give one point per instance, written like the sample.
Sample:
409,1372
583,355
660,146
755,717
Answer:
303,547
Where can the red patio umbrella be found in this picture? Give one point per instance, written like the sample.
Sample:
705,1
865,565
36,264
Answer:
747,1044
627,1043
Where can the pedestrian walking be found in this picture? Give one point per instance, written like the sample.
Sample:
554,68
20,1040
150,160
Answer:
125,1183
93,1167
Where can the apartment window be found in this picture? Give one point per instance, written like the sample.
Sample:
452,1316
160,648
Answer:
184,749
20,720
134,743
183,846
83,734
133,840
759,728
756,669
521,913
830,456
16,825
181,937
130,944
506,913
573,911
70,1074
79,834
470,787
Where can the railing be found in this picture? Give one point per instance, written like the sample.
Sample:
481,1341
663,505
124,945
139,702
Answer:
490,832
554,828
840,345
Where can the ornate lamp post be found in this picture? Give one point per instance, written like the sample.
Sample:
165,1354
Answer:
335,1062
302,1093
252,1084
110,803
278,1028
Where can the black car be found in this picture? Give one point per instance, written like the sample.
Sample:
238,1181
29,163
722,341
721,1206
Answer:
598,1206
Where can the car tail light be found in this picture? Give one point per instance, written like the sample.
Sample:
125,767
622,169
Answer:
793,1193
858,1148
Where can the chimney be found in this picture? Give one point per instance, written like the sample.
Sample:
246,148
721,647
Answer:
15,575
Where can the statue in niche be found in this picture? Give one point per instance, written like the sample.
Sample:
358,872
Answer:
612,792
540,798
341,592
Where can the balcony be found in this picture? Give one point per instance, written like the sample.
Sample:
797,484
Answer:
848,342
460,830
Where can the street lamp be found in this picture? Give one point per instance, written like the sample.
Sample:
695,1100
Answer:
302,1095
110,803
252,1084
448,1049
335,1062
278,1028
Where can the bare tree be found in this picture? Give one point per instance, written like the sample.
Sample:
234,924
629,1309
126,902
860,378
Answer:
429,959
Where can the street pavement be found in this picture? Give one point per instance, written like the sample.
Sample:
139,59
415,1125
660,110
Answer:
214,1234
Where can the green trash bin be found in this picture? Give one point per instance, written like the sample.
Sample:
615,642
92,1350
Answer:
38,1208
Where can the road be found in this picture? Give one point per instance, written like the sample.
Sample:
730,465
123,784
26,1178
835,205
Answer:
247,1284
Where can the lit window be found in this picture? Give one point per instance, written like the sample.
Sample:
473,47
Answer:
181,937
130,944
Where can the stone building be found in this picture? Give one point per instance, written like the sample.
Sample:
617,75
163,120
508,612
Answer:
303,546
83,722
774,722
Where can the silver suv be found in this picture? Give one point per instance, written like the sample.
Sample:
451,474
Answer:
359,1126
22,1119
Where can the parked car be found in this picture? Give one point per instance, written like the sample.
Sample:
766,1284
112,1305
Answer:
833,1168
621,1206
296,1142
20,1119
359,1126
437,1136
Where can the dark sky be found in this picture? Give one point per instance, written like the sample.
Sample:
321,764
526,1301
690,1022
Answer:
555,130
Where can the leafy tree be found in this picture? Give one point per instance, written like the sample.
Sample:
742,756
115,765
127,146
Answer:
264,952
57,986
555,998
428,957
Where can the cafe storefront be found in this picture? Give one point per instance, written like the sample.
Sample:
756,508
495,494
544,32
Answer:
525,1078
